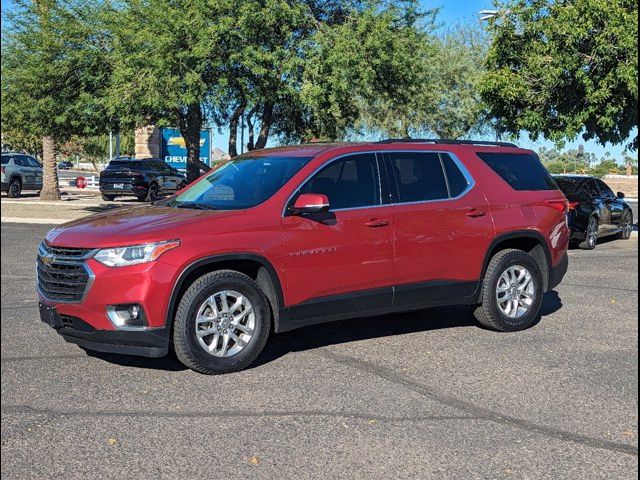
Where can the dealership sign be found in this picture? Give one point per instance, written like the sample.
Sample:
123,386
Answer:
174,151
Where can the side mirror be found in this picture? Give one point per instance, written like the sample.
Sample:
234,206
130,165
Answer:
311,203
620,195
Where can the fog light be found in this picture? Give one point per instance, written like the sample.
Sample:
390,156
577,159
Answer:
127,317
133,311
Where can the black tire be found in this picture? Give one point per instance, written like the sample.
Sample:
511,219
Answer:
182,185
591,240
107,198
152,193
185,342
15,188
489,313
627,225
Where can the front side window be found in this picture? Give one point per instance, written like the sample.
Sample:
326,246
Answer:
243,182
419,176
351,182
606,191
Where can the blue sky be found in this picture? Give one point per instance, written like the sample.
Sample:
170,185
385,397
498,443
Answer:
452,11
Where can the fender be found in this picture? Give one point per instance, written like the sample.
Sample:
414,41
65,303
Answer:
226,257
534,234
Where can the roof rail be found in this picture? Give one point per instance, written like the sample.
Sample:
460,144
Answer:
448,141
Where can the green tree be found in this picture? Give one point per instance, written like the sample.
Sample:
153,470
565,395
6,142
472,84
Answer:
168,58
53,76
460,66
369,74
565,67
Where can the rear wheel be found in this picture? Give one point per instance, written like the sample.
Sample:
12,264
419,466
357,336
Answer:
222,323
15,188
511,292
591,239
152,193
107,198
627,225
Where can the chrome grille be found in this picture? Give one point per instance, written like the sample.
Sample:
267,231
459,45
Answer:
62,273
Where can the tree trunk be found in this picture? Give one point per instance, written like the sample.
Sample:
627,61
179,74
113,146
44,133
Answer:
190,126
251,143
265,125
233,129
50,187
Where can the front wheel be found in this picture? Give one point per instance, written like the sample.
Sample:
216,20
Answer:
222,323
626,226
511,292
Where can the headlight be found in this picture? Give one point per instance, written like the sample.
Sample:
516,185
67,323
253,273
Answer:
134,254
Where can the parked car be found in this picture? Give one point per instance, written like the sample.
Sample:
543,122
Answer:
65,165
146,179
278,239
20,172
594,210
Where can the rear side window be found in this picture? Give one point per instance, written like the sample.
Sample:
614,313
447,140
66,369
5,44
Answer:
419,176
457,181
5,159
351,182
520,170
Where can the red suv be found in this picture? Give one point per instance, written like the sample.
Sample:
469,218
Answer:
282,238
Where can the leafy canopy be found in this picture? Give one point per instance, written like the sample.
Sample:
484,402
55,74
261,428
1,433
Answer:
564,67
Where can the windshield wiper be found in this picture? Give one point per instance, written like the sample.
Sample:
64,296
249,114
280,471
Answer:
194,205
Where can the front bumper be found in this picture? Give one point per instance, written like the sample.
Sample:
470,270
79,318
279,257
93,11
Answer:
152,342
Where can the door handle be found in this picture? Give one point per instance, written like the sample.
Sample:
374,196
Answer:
476,212
376,223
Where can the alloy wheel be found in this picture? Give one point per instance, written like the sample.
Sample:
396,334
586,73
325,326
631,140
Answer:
592,233
516,291
225,323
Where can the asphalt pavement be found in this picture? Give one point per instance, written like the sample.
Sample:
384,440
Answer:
420,395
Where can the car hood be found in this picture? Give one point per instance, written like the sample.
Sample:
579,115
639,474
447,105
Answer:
129,226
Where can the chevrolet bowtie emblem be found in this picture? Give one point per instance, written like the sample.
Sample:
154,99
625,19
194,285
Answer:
48,259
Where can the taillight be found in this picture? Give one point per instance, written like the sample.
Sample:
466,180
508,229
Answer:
560,205
2,169
573,205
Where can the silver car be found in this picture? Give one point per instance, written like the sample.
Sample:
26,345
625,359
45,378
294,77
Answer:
20,172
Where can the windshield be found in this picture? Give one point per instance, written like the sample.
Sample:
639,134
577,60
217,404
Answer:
241,183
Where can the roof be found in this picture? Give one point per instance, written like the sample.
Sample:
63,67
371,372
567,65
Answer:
314,149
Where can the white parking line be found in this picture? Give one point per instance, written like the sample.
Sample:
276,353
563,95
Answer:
43,221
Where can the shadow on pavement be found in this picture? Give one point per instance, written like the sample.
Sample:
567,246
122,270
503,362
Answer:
344,331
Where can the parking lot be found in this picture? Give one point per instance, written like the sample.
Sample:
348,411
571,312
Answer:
420,395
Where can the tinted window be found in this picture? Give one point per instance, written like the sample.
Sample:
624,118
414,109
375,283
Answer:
119,164
33,162
606,191
21,160
349,183
241,183
520,170
457,181
591,189
5,159
569,186
419,176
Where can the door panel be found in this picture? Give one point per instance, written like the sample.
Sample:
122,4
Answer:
335,257
336,253
440,245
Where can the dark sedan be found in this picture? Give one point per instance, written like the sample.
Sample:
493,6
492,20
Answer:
594,210
146,179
